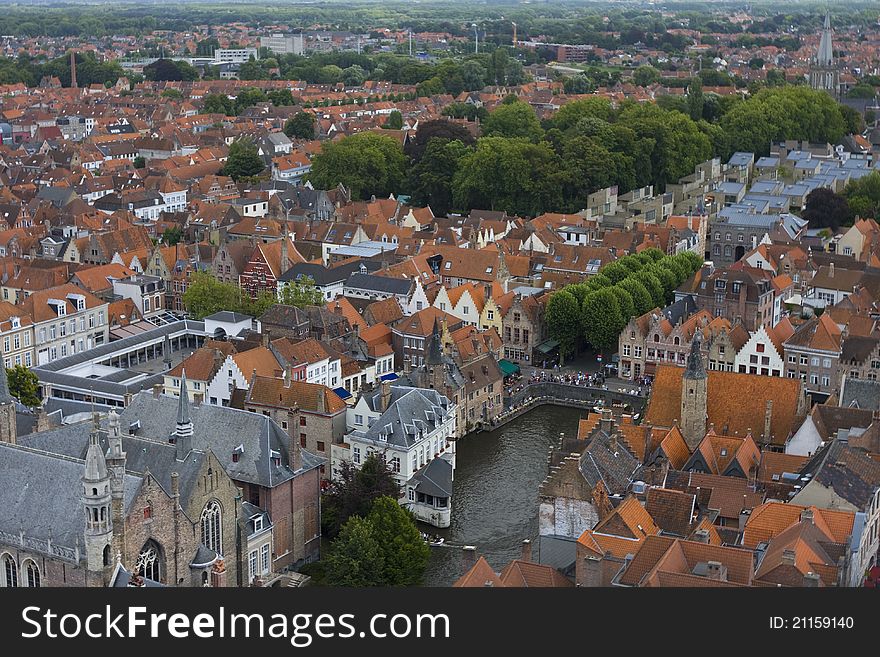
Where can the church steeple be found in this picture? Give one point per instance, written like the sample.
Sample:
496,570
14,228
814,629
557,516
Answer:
183,432
116,466
96,503
694,395
825,53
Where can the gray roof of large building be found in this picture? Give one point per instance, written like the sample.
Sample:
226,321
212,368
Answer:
860,393
41,495
410,412
615,468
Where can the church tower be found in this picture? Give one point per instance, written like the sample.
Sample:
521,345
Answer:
7,410
824,73
435,368
116,465
96,501
694,395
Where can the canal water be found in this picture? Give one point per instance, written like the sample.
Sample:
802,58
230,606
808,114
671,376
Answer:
495,491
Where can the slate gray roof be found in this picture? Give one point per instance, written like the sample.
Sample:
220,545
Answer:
40,494
228,316
848,471
434,479
600,462
410,412
860,393
221,429
386,284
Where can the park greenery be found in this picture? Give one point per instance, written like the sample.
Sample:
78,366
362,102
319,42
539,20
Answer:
205,295
527,166
597,310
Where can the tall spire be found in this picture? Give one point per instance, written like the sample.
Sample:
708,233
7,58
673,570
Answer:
825,53
695,368
434,355
183,432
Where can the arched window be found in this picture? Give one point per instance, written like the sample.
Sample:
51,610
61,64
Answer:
10,570
676,341
149,561
32,574
656,337
106,555
212,525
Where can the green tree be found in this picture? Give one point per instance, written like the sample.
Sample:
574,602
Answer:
824,208
172,235
639,293
625,301
139,162
353,491
366,163
695,99
395,121
355,558
863,196
24,385
300,126
602,318
243,160
645,76
301,293
167,70
173,94
615,271
205,295
218,104
571,113
430,180
563,321
404,555
516,119
654,287
509,174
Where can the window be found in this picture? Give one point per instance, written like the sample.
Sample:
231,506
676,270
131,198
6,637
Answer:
814,361
626,350
358,419
320,445
356,454
826,363
264,559
759,347
302,440
10,569
32,573
302,420
148,562
212,525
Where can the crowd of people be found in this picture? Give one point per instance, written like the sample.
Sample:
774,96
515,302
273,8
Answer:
517,382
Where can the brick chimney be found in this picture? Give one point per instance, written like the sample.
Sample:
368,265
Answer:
701,536
830,270
807,515
526,551
788,557
385,396
157,390
606,421
295,448
768,417
811,580
717,571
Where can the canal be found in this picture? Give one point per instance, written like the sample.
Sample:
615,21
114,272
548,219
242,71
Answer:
495,491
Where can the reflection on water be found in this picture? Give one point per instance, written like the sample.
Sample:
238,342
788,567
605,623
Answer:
495,492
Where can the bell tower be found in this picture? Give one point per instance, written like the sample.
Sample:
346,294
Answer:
694,395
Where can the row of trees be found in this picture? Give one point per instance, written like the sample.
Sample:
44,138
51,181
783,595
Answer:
375,541
598,309
205,295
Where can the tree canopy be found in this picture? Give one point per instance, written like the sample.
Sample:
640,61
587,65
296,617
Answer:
367,163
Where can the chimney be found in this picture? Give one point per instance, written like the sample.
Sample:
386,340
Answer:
768,416
157,390
468,557
320,400
701,536
613,443
830,270
744,516
717,571
266,338
811,580
175,485
606,421
807,515
287,375
385,396
295,448
197,399
526,551
788,557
